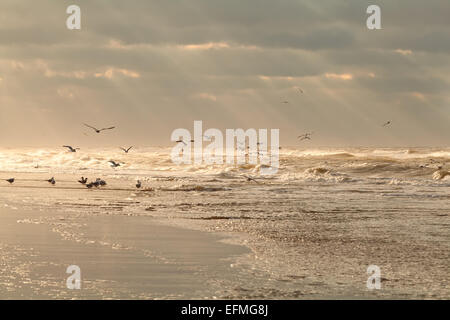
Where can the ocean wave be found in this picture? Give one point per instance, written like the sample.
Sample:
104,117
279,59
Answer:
441,174
317,174
320,164
188,188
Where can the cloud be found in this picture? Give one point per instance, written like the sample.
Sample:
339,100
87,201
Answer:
403,52
418,95
343,76
168,63
65,93
205,46
205,96
111,73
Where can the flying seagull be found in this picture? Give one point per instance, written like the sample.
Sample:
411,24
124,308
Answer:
249,178
83,180
300,89
114,164
98,130
71,149
306,136
386,124
52,181
10,180
138,184
126,150
181,141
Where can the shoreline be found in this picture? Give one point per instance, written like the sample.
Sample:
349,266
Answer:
117,259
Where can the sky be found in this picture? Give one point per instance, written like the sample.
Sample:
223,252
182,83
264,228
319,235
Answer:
150,67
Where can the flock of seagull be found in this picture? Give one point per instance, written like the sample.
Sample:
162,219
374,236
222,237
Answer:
99,182
84,181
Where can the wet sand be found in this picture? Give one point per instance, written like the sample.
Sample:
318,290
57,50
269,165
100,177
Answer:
119,257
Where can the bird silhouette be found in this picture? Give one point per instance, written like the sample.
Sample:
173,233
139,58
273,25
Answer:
126,150
83,180
138,184
71,149
306,136
114,164
10,180
52,181
98,130
249,178
100,182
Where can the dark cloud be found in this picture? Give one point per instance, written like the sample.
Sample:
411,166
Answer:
227,62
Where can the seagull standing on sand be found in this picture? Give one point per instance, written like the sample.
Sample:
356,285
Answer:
98,130
52,181
97,183
10,180
126,150
138,184
114,164
71,149
100,182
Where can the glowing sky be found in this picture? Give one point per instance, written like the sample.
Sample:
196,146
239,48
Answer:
150,67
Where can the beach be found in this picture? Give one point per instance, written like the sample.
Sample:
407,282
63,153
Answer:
195,232
119,258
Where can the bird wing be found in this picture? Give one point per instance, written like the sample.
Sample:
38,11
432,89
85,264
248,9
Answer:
69,147
250,178
90,127
304,137
106,128
129,148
